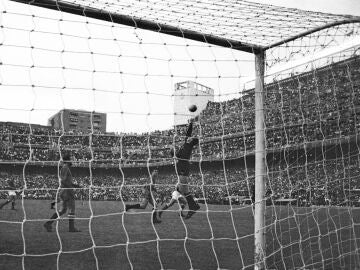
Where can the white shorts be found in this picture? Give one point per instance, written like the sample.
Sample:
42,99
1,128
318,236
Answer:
176,195
12,193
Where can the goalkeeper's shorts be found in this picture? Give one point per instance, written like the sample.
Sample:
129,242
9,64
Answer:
176,195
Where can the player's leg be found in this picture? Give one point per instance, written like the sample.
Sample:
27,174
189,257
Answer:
141,205
71,216
13,199
184,190
53,203
152,202
166,206
4,203
182,203
175,197
194,206
48,224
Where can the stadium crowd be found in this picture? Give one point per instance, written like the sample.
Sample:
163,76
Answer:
332,182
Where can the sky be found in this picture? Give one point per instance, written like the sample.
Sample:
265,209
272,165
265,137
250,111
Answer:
141,98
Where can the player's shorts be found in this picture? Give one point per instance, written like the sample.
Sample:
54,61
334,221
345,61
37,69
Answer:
176,195
68,205
66,194
12,198
68,202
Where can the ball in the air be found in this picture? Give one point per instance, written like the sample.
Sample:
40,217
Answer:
192,108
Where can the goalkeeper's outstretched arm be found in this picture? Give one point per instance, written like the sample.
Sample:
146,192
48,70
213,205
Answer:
189,131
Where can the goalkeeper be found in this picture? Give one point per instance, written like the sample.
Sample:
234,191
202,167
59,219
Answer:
182,167
66,195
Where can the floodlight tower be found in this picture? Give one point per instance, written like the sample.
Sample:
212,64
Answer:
190,93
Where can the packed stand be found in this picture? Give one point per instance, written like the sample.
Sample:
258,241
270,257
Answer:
328,182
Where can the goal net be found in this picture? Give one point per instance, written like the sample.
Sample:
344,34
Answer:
110,84
313,155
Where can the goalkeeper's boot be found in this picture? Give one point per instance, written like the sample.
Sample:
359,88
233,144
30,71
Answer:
48,227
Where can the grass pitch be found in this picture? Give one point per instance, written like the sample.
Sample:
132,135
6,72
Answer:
319,238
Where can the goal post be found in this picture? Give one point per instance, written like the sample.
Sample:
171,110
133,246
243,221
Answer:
260,170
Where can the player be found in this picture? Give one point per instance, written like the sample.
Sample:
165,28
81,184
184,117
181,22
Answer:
182,167
176,196
66,195
148,191
11,195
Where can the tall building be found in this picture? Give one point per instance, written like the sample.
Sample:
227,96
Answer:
78,120
188,93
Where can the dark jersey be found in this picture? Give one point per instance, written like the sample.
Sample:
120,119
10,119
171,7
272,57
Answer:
182,159
66,183
183,154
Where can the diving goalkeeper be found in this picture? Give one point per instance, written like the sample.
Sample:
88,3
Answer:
182,167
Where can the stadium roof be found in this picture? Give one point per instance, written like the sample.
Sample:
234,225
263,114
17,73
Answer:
243,25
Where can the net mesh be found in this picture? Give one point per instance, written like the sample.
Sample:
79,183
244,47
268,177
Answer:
53,61
230,16
251,24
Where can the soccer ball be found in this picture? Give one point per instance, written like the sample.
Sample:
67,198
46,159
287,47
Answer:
192,108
